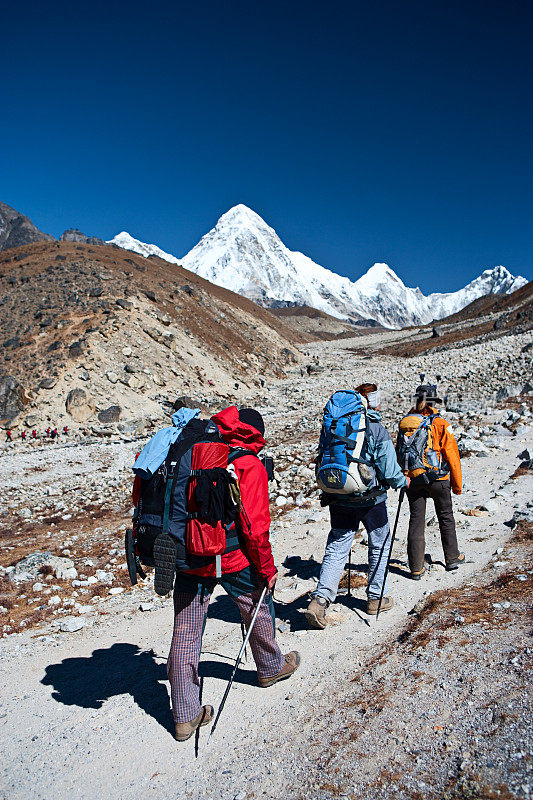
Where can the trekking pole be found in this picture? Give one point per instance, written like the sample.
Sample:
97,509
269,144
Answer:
400,500
197,735
350,572
243,632
237,662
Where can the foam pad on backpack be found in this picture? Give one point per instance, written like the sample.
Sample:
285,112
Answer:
165,552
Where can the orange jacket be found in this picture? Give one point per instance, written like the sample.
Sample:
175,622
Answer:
444,443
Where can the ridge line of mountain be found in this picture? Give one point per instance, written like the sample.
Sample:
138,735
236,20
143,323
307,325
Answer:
244,254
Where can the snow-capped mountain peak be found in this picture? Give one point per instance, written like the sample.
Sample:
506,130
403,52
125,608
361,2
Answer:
127,242
376,277
243,253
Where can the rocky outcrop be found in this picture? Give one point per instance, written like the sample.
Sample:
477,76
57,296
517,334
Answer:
75,235
16,229
79,405
13,398
111,414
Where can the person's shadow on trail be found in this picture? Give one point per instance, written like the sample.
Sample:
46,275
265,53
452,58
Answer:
303,568
120,669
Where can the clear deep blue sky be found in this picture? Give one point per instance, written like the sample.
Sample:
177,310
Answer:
361,131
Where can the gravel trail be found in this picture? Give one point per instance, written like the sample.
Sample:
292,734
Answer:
86,714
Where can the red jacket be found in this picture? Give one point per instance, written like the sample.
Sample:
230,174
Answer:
253,483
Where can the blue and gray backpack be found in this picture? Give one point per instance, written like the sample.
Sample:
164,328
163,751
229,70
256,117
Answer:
342,465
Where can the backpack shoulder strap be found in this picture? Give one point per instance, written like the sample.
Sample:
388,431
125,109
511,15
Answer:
237,452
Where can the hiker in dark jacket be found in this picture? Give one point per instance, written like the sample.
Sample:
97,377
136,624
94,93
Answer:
347,512
245,571
442,481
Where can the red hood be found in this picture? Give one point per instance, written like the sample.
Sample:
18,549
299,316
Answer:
237,433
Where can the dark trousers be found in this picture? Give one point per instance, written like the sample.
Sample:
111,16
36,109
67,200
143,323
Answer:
440,493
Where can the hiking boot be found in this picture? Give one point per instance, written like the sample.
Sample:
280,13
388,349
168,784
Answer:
184,730
373,602
316,613
292,662
416,576
456,563
165,553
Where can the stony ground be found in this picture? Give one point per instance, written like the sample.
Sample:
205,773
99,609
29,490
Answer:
430,701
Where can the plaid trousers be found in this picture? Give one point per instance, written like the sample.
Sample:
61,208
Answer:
191,600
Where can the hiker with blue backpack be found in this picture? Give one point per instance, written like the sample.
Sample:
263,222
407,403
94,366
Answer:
356,465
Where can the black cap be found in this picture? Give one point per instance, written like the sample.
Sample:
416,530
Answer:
427,392
252,417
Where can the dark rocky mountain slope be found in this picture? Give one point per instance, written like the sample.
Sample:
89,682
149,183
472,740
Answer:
17,230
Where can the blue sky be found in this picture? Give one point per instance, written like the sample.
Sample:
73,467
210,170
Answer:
362,132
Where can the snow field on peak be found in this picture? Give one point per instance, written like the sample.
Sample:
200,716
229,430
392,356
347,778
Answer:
244,254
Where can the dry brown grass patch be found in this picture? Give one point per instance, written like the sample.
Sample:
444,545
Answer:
356,581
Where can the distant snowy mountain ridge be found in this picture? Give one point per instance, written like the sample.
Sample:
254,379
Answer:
244,254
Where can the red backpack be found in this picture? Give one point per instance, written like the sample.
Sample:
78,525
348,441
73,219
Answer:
189,506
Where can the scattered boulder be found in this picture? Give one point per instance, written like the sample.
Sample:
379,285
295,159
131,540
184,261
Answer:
288,355
72,624
29,568
134,427
184,401
133,381
435,332
75,350
13,398
111,414
47,383
125,304
314,369
501,321
111,376
508,391
105,577
163,337
493,505
150,295
96,291
467,445
79,405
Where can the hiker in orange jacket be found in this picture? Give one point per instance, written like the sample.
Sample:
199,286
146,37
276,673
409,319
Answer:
428,454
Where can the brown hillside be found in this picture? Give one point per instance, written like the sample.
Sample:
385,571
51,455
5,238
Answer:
315,325
69,310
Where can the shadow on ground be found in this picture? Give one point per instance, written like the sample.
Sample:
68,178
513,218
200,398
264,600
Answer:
121,669
303,568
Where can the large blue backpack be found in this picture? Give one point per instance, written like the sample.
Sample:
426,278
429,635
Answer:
342,465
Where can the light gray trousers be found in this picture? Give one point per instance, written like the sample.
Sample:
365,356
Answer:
338,547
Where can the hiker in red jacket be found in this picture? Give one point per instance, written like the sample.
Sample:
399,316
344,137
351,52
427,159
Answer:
245,571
